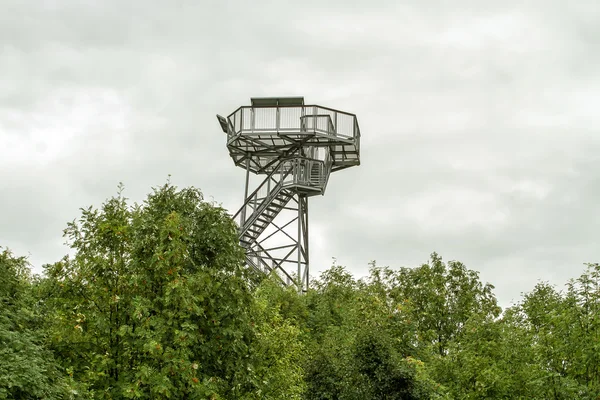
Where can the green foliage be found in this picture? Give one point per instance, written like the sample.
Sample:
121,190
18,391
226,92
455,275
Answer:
278,350
360,346
386,374
154,302
546,347
27,368
441,299
482,362
563,330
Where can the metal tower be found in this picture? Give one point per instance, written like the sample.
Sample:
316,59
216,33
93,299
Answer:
295,147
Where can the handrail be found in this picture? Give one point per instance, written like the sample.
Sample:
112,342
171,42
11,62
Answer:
293,106
303,166
257,189
254,198
281,119
315,117
299,168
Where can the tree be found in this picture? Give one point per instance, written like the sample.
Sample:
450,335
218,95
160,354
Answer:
155,301
27,368
582,302
442,298
564,332
360,345
278,351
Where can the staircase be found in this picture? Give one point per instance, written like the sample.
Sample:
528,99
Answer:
264,204
315,174
260,219
290,177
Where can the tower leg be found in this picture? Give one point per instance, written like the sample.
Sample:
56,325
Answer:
302,243
243,216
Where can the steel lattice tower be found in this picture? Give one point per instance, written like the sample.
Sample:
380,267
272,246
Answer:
295,147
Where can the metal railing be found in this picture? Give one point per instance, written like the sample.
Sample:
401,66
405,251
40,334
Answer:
309,172
308,118
294,171
281,175
317,124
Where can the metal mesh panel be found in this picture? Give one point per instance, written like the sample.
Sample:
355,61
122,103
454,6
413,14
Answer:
265,119
295,119
289,118
246,118
345,125
236,121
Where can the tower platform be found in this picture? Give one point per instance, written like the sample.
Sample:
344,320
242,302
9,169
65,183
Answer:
271,128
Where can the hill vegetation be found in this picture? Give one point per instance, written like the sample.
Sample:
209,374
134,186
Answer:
155,303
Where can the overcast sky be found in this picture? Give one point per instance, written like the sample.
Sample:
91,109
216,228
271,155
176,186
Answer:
480,121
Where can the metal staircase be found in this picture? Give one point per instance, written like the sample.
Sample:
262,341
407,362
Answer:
316,175
263,205
262,217
293,177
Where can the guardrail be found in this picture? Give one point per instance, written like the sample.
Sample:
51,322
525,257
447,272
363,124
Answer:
275,181
294,171
247,119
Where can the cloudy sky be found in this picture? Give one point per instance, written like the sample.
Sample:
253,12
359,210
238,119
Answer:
479,119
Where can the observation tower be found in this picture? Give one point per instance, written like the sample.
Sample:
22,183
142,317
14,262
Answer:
293,148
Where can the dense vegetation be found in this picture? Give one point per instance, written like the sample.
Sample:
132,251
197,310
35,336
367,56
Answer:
155,303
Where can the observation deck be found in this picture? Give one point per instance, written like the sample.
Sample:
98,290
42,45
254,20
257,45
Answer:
259,136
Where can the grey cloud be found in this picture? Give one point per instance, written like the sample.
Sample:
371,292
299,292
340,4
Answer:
480,135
